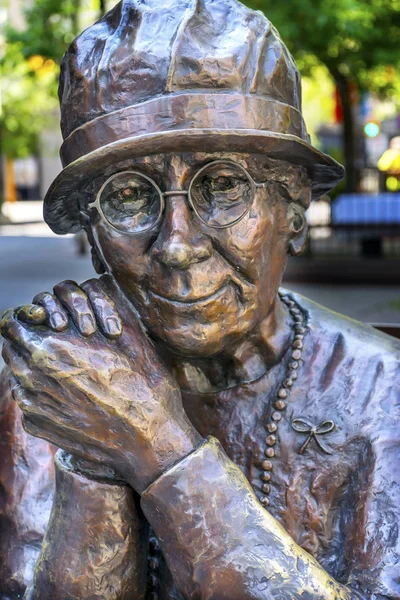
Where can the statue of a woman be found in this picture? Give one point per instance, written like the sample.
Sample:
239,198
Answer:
221,437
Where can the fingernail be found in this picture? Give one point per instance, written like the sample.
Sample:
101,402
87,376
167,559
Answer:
87,325
36,311
57,321
113,326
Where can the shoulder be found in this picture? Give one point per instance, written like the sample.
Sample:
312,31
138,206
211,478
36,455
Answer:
357,336
352,369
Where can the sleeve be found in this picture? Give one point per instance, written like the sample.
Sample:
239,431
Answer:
96,542
219,542
375,544
26,495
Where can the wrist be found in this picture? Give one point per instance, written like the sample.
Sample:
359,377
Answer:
169,445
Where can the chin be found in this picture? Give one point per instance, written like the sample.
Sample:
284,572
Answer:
190,338
201,328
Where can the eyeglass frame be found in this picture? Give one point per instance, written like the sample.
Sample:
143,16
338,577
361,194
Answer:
97,204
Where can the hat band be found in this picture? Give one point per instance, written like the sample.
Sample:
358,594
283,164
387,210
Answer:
184,111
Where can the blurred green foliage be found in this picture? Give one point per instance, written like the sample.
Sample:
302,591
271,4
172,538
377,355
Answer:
359,39
29,101
51,26
29,68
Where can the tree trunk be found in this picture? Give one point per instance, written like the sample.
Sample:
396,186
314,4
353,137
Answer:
352,176
102,7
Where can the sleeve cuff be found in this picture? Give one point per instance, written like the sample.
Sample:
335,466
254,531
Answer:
86,470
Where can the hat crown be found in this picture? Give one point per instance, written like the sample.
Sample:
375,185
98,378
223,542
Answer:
143,49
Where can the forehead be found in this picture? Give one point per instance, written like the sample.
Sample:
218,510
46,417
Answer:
188,162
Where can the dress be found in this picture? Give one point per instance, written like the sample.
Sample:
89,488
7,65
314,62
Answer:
341,507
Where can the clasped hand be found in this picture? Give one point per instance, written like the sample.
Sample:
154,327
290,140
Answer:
89,380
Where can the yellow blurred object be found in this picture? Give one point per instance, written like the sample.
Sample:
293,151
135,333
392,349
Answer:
10,187
48,66
389,162
36,62
393,184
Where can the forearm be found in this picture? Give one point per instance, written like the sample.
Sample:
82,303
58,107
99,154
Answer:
220,542
96,542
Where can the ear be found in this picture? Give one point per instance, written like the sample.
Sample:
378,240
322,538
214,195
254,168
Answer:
97,262
298,227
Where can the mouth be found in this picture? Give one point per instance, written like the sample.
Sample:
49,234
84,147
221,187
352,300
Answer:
187,303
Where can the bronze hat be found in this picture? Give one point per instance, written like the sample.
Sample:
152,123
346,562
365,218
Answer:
155,76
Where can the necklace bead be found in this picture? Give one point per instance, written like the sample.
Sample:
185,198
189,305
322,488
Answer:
276,416
280,403
266,465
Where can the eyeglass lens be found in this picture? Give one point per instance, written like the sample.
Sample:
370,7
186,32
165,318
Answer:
220,193
130,202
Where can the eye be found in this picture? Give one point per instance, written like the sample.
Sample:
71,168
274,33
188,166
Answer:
221,194
223,184
131,202
128,194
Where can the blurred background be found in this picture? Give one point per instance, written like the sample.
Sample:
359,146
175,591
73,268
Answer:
349,54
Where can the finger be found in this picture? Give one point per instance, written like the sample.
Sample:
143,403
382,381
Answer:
42,427
104,308
38,428
32,314
18,333
77,304
57,318
20,372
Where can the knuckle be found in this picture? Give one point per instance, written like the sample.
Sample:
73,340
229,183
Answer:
92,283
41,297
6,317
95,290
65,286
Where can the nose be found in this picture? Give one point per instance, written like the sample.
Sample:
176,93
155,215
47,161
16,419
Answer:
180,243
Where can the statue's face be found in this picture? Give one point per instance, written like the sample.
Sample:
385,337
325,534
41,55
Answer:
198,288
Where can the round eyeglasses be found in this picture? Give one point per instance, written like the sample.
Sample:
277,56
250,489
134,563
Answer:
221,194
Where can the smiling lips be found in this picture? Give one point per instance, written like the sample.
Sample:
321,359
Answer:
196,302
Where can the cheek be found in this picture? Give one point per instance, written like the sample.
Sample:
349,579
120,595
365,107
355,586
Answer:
257,243
125,255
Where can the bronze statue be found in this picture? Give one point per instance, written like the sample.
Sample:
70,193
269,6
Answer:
219,437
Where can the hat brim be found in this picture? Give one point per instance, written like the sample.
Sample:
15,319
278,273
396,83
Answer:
61,207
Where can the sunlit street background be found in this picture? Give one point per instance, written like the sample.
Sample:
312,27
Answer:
349,54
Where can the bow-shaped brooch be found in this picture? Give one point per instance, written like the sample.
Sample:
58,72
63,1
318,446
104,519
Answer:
304,426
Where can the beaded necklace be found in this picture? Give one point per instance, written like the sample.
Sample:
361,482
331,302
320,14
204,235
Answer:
282,396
